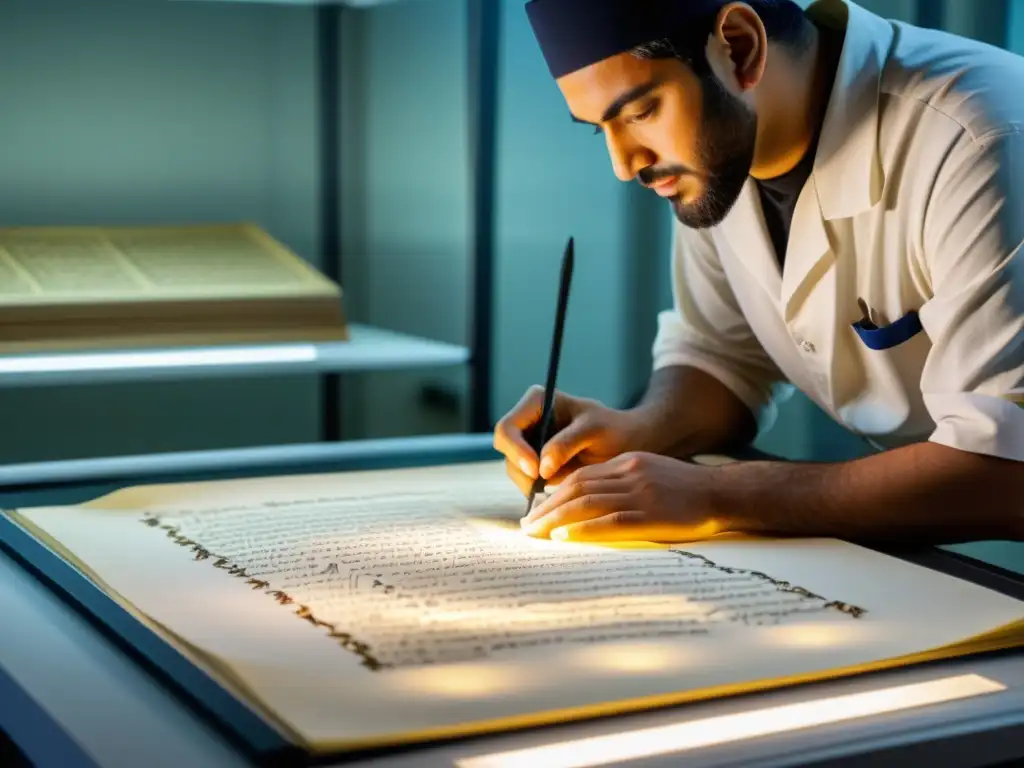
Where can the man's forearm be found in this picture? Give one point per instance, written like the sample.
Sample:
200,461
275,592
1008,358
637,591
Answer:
920,494
685,412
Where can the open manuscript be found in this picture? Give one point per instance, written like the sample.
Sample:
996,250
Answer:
82,288
383,607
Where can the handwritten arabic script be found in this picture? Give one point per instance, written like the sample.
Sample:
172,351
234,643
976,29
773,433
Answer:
409,579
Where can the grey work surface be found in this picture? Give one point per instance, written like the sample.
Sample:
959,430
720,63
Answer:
75,480
368,349
69,697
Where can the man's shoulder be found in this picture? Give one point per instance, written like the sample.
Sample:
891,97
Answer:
938,81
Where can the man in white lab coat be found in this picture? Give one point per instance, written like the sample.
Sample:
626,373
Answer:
850,202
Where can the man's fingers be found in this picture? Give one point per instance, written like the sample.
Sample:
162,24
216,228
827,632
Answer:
574,488
562,476
523,481
616,525
578,509
567,444
628,525
551,485
528,410
509,434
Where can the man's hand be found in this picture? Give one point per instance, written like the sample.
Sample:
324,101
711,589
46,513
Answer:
685,412
633,497
586,432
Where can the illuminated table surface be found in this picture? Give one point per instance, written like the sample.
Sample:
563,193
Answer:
101,710
369,349
71,698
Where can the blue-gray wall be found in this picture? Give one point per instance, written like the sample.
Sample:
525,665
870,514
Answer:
406,207
137,111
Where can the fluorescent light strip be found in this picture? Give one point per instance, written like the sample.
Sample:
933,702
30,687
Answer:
633,745
111,361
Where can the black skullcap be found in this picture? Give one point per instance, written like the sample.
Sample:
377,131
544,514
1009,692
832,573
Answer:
574,34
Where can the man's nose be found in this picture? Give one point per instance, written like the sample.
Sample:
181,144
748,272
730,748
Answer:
627,159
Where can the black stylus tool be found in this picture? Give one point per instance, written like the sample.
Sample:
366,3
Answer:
548,412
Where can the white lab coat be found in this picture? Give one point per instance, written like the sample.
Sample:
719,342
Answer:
915,205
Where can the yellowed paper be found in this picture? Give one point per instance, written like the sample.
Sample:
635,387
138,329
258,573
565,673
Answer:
74,264
382,607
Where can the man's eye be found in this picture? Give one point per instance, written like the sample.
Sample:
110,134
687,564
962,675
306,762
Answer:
645,114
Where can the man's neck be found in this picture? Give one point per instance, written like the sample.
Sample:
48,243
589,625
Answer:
804,82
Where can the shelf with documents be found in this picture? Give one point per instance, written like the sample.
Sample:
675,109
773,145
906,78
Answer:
368,349
250,129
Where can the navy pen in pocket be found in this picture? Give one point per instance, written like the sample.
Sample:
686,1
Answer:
877,334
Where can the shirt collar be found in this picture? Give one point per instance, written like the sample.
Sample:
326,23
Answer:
847,169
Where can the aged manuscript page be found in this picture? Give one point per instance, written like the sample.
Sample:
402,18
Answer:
380,607
78,289
76,264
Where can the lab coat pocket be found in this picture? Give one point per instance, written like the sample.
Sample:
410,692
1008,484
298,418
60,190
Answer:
891,335
893,358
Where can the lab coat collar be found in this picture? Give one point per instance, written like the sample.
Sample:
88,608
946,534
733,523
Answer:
847,168
846,179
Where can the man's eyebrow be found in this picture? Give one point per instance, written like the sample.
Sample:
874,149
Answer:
637,92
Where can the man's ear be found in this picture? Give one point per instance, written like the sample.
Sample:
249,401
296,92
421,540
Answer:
737,47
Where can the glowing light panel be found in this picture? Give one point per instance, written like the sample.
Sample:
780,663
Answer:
108,361
648,742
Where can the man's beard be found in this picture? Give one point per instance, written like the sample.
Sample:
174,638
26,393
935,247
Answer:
728,133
